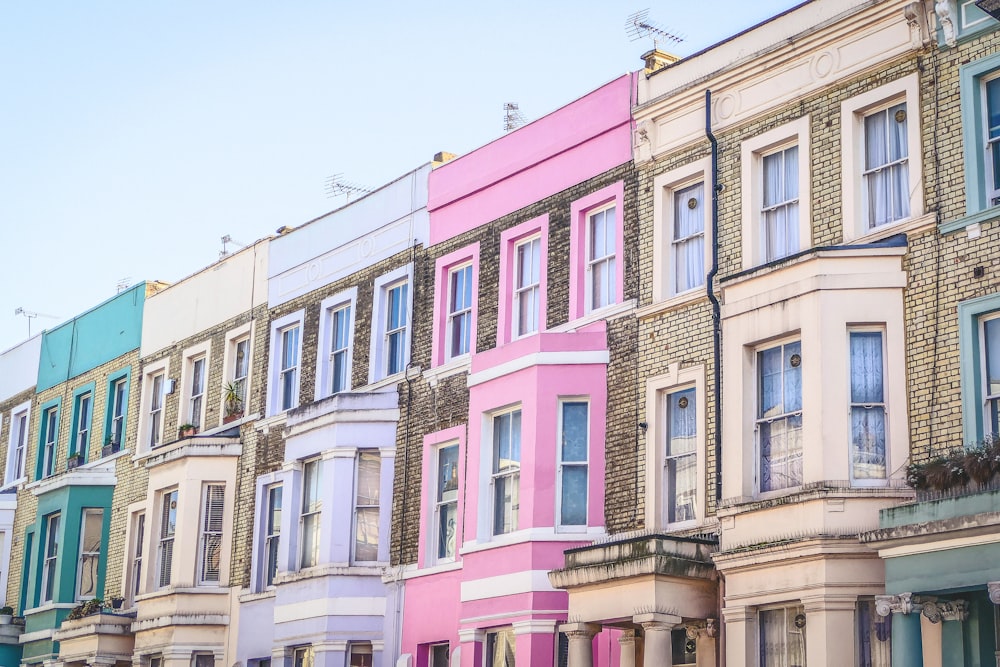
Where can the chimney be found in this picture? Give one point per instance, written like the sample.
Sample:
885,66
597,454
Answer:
656,60
441,157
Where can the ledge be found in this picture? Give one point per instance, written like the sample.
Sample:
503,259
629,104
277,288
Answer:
979,217
103,623
330,570
812,491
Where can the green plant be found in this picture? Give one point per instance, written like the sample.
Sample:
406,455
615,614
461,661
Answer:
86,608
232,395
6,610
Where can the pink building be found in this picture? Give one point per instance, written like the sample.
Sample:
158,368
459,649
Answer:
530,305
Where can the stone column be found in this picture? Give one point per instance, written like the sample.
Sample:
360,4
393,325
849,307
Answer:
535,641
581,643
627,643
378,653
658,650
741,635
830,626
470,641
330,654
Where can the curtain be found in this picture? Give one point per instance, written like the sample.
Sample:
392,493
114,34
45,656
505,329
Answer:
993,128
779,416
867,406
689,237
886,172
780,203
991,344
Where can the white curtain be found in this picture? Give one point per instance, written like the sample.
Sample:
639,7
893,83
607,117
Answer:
689,237
867,405
780,204
886,170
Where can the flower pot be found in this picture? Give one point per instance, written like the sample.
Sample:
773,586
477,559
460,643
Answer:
5,619
73,462
116,603
231,418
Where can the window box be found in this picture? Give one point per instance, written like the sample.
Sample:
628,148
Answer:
74,461
187,430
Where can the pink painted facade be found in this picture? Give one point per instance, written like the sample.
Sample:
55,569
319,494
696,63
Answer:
507,493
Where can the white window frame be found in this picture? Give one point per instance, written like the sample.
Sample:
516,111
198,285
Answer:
489,645
50,556
752,154
274,394
609,260
561,464
271,533
758,419
464,312
520,291
884,406
506,474
82,421
359,506
665,187
378,357
191,356
853,112
359,649
164,574
136,548
234,338
658,389
213,497
91,554
327,335
50,444
17,444
671,494
302,656
440,504
991,181
312,513
147,406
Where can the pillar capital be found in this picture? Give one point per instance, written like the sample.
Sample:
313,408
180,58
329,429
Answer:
627,637
946,610
708,628
993,587
656,621
894,604
580,629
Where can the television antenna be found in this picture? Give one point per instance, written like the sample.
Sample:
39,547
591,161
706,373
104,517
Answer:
30,315
638,26
227,239
512,117
122,284
337,186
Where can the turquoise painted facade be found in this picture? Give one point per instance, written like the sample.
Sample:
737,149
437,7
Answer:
103,333
48,598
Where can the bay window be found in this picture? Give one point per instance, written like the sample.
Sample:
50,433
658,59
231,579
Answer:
366,505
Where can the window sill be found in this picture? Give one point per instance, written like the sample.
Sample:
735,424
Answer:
607,313
979,217
375,385
268,593
437,568
452,367
532,535
14,485
909,225
673,303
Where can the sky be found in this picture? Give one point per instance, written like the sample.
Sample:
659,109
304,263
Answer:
134,135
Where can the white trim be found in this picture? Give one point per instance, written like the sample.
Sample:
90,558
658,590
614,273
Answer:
377,352
664,187
278,326
233,337
527,581
517,290
752,153
852,116
614,311
539,359
450,315
145,402
588,272
549,534
324,365
338,606
15,412
189,356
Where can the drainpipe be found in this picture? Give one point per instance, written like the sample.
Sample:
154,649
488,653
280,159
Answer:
709,286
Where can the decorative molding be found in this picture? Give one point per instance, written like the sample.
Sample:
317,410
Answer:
898,604
946,20
949,610
994,590
708,628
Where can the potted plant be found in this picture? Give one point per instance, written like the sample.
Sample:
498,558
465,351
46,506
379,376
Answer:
186,430
6,614
110,446
232,394
74,461
86,608
117,601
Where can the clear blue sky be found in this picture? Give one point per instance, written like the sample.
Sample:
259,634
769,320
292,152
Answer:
133,135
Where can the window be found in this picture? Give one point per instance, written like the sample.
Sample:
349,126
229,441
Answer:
881,157
50,431
155,661
203,660
196,400
885,178
81,424
91,530
601,237
115,436
868,439
874,636
527,285
687,251
17,443
49,569
681,237
288,373
574,446
241,366
595,247
336,340
991,137
506,471
339,367
360,655
210,540
459,327
302,656
390,344
236,373
168,528
272,534
980,93
366,506
156,384
446,503
979,345
138,536
775,203
990,360
681,456
440,656
500,647
782,637
311,509
779,416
